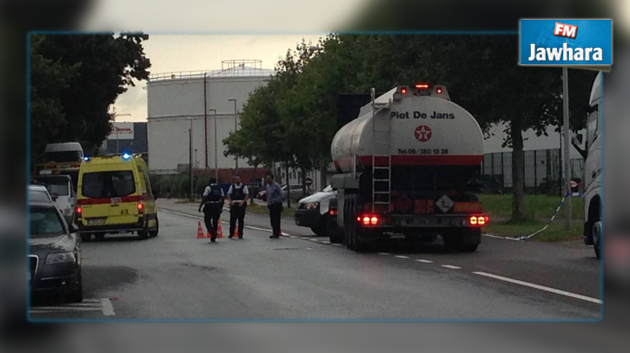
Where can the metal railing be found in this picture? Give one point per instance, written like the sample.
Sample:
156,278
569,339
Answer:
242,71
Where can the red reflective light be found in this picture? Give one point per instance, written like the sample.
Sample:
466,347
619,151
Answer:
439,90
403,90
332,212
422,86
358,219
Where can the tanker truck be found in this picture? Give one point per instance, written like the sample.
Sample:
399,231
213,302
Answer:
409,165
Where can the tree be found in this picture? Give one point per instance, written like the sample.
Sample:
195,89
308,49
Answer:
75,79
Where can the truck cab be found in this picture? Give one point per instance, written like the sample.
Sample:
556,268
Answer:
593,171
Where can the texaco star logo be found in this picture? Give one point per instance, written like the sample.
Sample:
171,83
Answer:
423,133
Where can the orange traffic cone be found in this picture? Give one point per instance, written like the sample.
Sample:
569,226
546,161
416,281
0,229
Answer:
219,230
235,235
199,231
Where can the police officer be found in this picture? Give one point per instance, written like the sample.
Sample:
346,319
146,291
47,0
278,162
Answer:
237,196
212,203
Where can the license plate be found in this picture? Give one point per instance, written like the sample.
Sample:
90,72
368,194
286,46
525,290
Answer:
95,222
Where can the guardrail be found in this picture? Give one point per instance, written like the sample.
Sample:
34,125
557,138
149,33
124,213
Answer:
232,72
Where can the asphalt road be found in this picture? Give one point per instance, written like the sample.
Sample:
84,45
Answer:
176,276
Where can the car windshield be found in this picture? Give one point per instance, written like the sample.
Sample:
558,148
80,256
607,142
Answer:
58,187
38,196
108,184
45,222
63,156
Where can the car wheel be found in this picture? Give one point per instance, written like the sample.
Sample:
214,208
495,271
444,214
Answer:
86,237
154,232
77,295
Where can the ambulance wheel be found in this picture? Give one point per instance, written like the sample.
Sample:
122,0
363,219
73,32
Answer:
86,237
156,230
99,236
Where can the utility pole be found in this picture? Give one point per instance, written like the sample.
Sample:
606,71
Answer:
216,153
190,161
205,117
235,128
567,144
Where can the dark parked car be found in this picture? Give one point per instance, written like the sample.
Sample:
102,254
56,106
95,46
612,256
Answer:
54,258
319,212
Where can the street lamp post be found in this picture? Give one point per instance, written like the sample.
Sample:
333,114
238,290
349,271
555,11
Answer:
190,161
216,154
232,99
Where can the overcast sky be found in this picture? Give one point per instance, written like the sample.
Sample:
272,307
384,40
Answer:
170,53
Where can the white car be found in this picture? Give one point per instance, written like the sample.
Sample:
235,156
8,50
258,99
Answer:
61,191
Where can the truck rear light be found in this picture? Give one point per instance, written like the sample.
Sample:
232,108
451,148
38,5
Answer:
438,90
479,220
79,211
403,90
333,212
369,220
422,86
140,207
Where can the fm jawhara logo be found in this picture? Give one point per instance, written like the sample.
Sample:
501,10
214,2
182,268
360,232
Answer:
566,42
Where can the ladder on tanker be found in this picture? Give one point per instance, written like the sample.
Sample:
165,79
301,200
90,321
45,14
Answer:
381,161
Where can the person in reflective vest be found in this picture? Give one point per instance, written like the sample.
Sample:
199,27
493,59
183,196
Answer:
237,196
212,204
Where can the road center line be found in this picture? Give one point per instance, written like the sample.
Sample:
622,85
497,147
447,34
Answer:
108,308
425,261
401,257
536,286
452,267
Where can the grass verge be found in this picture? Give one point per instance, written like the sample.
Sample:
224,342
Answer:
555,233
536,206
259,209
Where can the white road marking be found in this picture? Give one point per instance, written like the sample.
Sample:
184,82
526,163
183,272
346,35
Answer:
336,244
326,242
401,257
108,308
452,267
314,239
383,253
201,218
536,286
425,261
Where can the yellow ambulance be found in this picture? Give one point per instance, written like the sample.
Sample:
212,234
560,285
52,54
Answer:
114,196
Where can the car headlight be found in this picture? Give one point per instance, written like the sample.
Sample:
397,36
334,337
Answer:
60,257
312,205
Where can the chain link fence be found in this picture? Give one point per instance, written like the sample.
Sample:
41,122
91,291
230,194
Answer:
543,172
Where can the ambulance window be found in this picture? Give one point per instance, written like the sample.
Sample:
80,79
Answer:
592,125
108,184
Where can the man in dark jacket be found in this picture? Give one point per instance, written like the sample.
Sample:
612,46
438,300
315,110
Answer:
212,203
237,196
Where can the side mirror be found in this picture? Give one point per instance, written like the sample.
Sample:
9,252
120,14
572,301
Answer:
74,228
53,197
